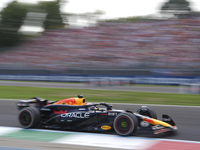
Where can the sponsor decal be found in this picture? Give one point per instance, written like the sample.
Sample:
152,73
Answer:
166,119
158,127
144,123
76,115
45,109
160,131
104,114
105,127
111,114
71,102
59,111
82,109
69,120
22,104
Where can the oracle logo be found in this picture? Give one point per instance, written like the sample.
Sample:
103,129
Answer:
76,115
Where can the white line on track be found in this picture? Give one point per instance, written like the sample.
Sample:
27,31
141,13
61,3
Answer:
184,141
12,129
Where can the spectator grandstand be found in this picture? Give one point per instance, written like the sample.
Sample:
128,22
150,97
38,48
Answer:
148,44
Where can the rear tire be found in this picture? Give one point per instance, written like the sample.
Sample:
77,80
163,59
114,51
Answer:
146,111
29,117
125,124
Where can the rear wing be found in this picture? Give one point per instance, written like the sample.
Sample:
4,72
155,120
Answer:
39,102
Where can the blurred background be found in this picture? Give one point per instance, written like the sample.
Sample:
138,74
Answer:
123,38
101,44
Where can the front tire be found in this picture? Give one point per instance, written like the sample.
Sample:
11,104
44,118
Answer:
125,124
146,111
29,117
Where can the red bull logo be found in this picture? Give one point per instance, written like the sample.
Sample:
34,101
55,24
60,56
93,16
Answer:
59,111
71,102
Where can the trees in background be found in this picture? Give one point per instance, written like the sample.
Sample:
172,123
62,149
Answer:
53,15
12,18
46,14
176,7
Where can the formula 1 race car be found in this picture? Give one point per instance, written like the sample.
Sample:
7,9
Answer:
77,115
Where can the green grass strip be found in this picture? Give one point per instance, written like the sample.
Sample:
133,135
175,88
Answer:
13,92
35,135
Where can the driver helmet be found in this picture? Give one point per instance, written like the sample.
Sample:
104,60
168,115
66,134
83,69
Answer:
92,108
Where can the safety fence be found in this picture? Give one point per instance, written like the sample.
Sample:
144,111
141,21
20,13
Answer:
187,84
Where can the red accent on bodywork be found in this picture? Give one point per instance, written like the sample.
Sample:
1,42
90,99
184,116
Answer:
160,131
149,121
59,111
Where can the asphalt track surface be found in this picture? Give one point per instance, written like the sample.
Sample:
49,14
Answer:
186,118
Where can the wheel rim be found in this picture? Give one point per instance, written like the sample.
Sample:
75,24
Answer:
25,118
123,124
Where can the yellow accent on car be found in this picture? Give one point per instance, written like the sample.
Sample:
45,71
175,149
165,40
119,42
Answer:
105,127
156,122
124,124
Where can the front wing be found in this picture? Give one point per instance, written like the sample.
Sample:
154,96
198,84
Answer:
155,125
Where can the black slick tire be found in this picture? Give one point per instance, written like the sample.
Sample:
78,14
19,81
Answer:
125,124
29,117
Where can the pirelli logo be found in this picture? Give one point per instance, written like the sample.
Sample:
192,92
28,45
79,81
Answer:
105,127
